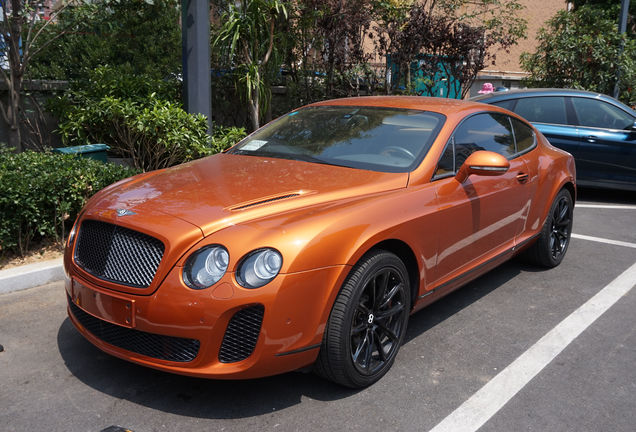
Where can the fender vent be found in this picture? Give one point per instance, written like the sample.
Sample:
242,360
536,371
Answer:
265,201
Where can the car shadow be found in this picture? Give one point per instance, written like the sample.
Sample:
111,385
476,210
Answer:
606,196
217,399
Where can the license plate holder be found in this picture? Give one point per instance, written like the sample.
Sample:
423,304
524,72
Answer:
116,310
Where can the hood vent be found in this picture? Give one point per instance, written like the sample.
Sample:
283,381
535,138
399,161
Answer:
264,201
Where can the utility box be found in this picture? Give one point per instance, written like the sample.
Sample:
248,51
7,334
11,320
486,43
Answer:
89,151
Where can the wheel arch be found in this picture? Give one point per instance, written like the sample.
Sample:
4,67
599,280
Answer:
404,252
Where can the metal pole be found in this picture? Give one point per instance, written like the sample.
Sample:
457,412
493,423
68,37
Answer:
195,39
622,28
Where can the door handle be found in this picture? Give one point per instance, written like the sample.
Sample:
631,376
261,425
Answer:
522,178
590,138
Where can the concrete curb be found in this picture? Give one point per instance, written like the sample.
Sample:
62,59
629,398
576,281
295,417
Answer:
31,275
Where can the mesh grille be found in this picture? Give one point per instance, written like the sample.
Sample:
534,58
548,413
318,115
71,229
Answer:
118,254
241,334
149,344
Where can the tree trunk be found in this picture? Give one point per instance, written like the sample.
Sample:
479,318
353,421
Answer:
254,108
15,75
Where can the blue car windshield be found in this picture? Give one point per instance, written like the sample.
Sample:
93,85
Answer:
377,139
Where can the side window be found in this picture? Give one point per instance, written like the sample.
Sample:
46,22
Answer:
599,114
488,131
506,104
524,135
446,163
548,109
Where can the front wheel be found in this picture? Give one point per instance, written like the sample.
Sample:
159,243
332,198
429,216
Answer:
367,322
553,241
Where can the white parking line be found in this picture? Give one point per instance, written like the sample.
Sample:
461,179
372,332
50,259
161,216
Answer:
606,206
603,240
488,400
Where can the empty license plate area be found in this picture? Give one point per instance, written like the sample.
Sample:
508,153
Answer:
113,309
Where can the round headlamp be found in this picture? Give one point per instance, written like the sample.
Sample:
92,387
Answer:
206,267
259,267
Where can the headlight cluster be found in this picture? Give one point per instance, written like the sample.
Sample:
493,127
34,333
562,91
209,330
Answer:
207,266
258,268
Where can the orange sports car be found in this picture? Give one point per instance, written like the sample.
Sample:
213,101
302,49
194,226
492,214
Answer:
310,242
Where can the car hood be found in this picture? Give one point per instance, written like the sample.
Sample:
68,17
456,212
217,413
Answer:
228,189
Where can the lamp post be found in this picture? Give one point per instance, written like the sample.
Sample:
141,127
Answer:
195,40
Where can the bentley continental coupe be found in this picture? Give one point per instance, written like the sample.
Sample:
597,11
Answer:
310,243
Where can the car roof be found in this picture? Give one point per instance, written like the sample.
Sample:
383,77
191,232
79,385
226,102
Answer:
534,92
441,105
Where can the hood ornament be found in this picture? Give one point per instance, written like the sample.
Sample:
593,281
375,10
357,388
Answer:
125,212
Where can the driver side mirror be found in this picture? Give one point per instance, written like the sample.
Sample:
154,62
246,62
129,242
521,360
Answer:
483,163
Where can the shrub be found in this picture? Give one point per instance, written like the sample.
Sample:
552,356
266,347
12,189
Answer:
137,117
42,193
155,134
225,137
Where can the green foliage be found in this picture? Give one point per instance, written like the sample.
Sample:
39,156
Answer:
42,193
225,137
247,35
113,81
141,34
154,133
580,49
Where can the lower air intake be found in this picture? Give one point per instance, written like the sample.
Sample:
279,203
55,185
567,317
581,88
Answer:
149,344
241,334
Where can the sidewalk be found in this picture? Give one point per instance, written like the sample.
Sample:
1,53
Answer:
31,275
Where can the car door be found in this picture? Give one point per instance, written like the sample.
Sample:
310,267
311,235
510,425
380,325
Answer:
607,153
481,216
549,114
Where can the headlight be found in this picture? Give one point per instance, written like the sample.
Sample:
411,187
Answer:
206,267
258,268
71,236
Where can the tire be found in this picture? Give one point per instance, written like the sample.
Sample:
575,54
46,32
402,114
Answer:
554,239
367,323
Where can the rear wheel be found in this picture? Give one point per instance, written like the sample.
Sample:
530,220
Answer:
553,241
367,322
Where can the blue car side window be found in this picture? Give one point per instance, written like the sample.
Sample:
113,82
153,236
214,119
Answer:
599,114
548,109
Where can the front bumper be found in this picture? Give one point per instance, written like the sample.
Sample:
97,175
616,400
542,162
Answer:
180,330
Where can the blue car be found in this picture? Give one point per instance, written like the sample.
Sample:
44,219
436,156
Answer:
599,131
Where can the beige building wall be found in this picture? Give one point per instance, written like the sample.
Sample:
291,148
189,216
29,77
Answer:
507,72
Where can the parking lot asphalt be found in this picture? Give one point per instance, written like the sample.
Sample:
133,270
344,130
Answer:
456,351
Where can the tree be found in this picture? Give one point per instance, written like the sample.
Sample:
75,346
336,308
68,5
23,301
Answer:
142,35
455,37
581,49
342,26
20,35
247,33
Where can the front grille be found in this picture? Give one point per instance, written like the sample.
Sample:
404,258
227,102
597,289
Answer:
241,334
117,254
149,344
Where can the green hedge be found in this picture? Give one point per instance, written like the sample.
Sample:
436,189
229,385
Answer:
42,193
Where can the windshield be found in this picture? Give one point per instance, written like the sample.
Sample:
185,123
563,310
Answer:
377,139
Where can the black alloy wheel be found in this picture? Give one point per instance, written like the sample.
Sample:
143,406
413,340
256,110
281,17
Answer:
554,238
367,323
377,321
561,227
